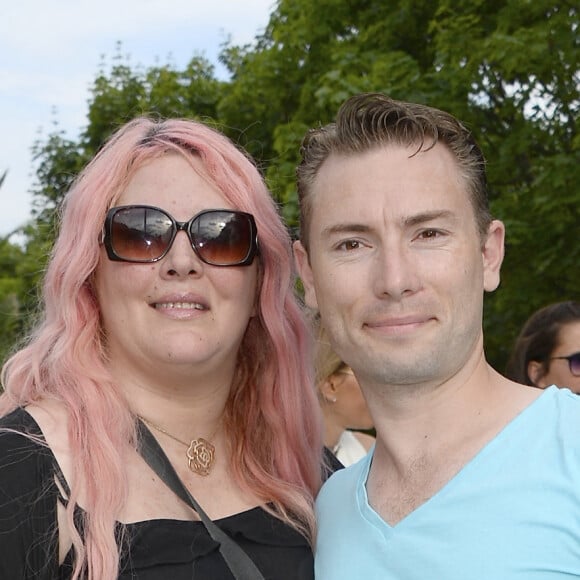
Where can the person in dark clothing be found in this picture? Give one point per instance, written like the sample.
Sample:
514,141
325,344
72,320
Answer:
169,306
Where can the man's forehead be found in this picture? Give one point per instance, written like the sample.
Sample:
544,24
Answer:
383,169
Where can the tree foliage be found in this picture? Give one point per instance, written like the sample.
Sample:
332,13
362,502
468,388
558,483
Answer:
11,288
508,68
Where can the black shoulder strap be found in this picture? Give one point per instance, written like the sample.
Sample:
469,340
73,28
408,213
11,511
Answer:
330,463
240,564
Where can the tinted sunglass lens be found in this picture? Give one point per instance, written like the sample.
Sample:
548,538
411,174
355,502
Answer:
141,234
575,364
222,238
145,234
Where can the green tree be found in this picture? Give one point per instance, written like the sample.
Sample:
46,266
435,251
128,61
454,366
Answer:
122,92
119,93
508,68
11,293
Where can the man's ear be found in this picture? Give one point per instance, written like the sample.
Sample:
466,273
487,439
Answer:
493,252
305,273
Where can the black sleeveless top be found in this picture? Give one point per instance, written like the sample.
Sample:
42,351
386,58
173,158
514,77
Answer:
151,550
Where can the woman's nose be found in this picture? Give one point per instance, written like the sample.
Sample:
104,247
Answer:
181,260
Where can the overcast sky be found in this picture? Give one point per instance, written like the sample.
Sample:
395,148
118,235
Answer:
50,51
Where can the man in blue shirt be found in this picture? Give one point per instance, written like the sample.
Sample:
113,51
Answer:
472,476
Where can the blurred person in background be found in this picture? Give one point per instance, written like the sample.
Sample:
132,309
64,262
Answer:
547,350
343,405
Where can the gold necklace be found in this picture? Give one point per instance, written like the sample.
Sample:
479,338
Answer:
200,452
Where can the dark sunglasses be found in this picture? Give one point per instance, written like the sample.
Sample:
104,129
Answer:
143,234
573,362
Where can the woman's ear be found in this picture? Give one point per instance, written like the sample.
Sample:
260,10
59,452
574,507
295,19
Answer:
536,373
328,389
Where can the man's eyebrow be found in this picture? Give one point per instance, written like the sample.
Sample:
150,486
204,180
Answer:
429,216
345,228
414,220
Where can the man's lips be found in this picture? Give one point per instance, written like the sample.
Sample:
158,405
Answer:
398,323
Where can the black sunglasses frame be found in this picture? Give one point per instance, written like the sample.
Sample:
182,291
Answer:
177,226
569,358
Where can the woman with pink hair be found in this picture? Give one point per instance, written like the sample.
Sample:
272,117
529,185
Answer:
169,324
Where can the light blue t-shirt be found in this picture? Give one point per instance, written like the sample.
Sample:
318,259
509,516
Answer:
513,512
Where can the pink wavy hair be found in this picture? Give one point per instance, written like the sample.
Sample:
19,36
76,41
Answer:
272,412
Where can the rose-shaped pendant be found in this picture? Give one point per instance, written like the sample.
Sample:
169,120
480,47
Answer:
200,456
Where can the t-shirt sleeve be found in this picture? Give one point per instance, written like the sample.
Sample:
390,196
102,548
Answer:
28,500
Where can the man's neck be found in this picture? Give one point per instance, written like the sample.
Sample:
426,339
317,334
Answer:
426,435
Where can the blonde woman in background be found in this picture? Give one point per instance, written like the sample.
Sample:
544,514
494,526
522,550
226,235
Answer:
343,406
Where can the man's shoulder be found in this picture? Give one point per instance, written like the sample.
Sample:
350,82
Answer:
566,396
552,423
563,401
565,407
343,483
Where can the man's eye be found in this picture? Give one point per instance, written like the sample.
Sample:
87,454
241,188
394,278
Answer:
428,234
349,245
